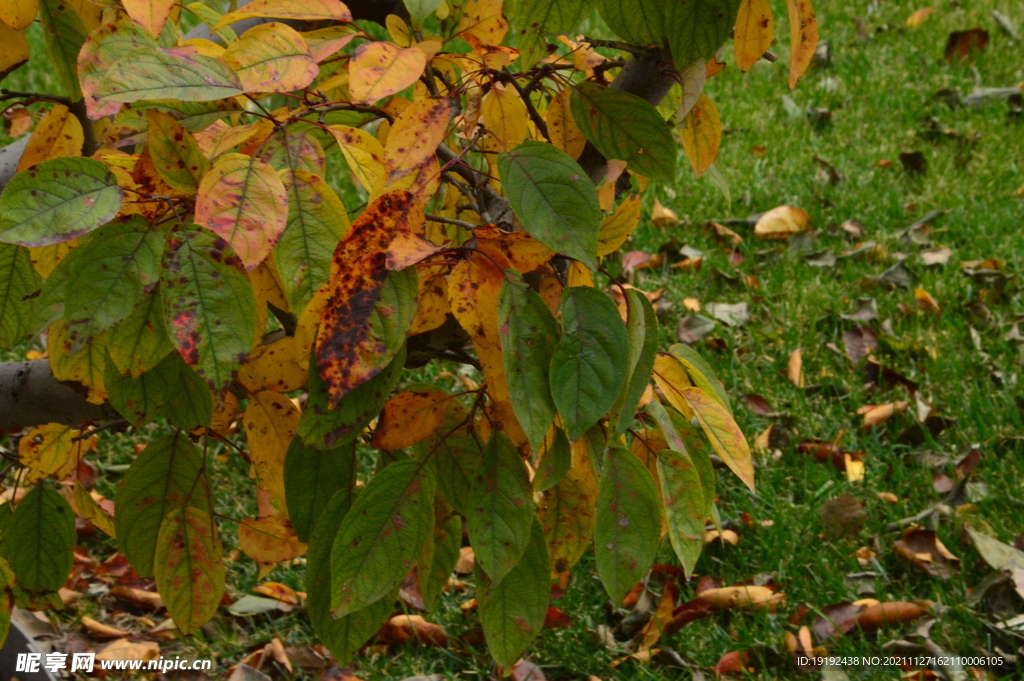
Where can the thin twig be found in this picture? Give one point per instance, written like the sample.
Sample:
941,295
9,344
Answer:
615,45
451,221
535,116
98,429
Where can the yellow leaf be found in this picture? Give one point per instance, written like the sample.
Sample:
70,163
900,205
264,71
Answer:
415,136
409,417
431,304
579,275
567,511
926,302
220,138
724,434
919,17
876,414
88,506
606,191
18,14
398,30
271,58
523,252
617,227
671,378
86,366
701,134
269,540
803,38
363,153
150,14
795,368
782,222
755,28
483,20
565,134
326,42
280,367
50,450
58,134
225,407
381,69
504,115
663,217
45,258
13,48
307,10
473,289
206,47
271,421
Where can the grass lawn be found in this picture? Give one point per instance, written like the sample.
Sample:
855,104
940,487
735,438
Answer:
966,357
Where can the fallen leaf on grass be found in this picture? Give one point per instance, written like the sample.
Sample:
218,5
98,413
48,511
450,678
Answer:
782,222
936,256
794,368
961,44
691,304
692,328
867,310
890,613
402,629
524,670
835,620
128,650
757,404
277,651
734,662
556,619
727,536
924,550
888,497
723,233
662,217
731,314
843,516
998,555
742,598
100,630
875,414
278,591
466,561
926,302
860,341
918,17
150,599
637,260
801,647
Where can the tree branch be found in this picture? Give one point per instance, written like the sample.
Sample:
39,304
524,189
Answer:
31,396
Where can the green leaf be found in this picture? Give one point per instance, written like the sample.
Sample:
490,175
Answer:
685,505
345,635
7,584
512,610
176,154
628,529
697,28
701,373
168,475
586,369
58,200
316,221
105,45
209,306
528,333
381,536
114,271
535,21
158,73
311,479
323,427
39,540
553,198
295,148
131,125
141,341
420,10
642,329
170,390
447,544
500,508
64,33
555,460
641,22
457,454
625,127
723,433
189,567
18,281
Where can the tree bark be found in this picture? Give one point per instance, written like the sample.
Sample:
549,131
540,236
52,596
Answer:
31,396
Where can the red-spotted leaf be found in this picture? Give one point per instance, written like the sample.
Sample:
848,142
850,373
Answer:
500,508
685,507
628,528
189,567
271,58
306,10
381,69
176,154
382,535
101,50
244,201
209,305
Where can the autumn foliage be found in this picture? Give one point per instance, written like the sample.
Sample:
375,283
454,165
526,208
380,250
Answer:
177,232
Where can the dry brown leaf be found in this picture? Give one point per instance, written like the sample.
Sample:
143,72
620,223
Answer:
662,217
925,550
795,368
279,592
886,614
888,496
150,599
100,630
742,598
727,536
128,650
413,629
926,302
843,515
782,222
466,561
879,413
277,651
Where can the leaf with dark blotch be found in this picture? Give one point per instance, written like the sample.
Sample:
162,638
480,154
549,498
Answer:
528,333
343,636
312,477
586,368
512,610
369,309
625,127
189,567
500,508
554,199
628,529
209,305
381,536
58,200
39,539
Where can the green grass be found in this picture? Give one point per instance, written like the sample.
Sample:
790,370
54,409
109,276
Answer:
879,91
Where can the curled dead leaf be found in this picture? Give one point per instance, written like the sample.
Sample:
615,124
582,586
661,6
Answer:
743,597
925,550
782,222
887,614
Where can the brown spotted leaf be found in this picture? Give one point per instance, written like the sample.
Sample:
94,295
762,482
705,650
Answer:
381,69
271,57
189,567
